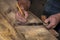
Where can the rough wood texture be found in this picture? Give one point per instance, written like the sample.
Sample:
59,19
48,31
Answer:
35,33
7,32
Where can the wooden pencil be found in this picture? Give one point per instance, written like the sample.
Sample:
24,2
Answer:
20,10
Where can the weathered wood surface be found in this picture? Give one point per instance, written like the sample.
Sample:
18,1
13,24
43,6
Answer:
35,33
7,32
9,26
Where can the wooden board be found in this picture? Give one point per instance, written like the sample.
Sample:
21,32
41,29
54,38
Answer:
7,31
35,33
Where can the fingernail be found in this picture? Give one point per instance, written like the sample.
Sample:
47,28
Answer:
45,21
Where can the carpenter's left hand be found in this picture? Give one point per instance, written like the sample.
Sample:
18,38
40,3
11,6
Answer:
54,20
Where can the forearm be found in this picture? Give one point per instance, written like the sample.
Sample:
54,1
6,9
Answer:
57,16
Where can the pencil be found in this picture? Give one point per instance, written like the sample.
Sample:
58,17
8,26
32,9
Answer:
20,10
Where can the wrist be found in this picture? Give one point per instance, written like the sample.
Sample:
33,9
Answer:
58,16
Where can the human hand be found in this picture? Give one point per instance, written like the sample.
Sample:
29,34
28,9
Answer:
53,21
20,18
24,3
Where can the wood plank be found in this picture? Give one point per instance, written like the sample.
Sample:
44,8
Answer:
7,31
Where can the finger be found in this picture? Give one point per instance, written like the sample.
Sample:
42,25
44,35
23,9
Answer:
22,7
51,25
47,20
26,14
20,18
18,15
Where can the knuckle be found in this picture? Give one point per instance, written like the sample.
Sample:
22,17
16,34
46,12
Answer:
53,24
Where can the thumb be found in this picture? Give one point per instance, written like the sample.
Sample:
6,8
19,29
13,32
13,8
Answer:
26,14
47,20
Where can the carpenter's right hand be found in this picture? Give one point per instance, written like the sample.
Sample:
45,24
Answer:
20,18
